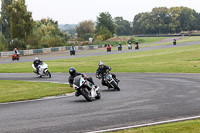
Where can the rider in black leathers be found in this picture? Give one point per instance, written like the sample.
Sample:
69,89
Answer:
73,74
36,63
103,70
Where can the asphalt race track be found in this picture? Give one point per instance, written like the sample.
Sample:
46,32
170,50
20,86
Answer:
144,98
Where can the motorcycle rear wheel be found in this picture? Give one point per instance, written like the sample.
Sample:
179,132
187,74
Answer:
98,95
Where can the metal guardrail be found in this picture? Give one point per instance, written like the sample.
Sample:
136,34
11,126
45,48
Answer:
48,50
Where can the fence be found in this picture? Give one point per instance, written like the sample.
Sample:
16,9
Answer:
49,50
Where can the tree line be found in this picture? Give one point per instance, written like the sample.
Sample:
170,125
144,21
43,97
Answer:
163,20
18,29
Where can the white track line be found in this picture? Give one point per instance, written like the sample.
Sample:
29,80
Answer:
148,124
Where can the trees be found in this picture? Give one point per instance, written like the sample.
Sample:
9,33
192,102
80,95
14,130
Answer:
5,18
122,26
105,23
21,21
46,34
85,29
164,20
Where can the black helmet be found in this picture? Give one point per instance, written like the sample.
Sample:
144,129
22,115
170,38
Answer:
72,71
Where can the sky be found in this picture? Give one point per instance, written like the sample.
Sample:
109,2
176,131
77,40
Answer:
75,11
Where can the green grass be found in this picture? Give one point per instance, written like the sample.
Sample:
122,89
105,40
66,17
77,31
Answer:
183,40
22,90
145,39
192,126
171,60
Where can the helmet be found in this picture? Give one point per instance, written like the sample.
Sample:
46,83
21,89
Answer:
101,64
37,59
72,71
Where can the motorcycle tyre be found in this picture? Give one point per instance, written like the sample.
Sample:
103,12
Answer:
48,74
85,95
115,86
98,95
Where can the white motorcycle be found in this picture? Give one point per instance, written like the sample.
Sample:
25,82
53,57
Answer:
43,70
129,46
86,89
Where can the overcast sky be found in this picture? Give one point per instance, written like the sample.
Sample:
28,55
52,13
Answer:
75,11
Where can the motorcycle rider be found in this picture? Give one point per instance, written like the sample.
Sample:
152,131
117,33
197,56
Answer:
119,46
16,52
174,41
72,48
102,69
36,63
73,74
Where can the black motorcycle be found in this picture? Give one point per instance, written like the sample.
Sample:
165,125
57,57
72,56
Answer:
109,80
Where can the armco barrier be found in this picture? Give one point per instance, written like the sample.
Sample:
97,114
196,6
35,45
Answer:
37,51
91,47
54,49
6,54
46,50
21,52
62,48
80,47
27,52
68,47
100,46
49,50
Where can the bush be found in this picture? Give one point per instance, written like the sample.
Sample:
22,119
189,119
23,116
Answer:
3,42
1,46
133,40
45,45
19,44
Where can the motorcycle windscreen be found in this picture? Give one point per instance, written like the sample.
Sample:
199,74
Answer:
77,81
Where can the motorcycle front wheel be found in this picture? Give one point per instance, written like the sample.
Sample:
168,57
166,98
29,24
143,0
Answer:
86,94
115,86
48,74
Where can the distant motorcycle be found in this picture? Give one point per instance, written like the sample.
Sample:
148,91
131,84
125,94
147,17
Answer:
108,48
86,89
119,47
174,42
43,70
129,46
15,57
72,51
110,81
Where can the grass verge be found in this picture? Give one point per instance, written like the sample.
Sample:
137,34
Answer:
23,90
191,126
171,60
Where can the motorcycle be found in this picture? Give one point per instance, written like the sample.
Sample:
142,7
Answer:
108,48
136,46
86,89
43,70
129,46
119,47
15,57
72,51
174,42
110,81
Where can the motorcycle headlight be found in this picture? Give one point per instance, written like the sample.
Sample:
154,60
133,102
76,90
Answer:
107,77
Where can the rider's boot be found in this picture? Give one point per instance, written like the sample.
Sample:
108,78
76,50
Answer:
77,94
